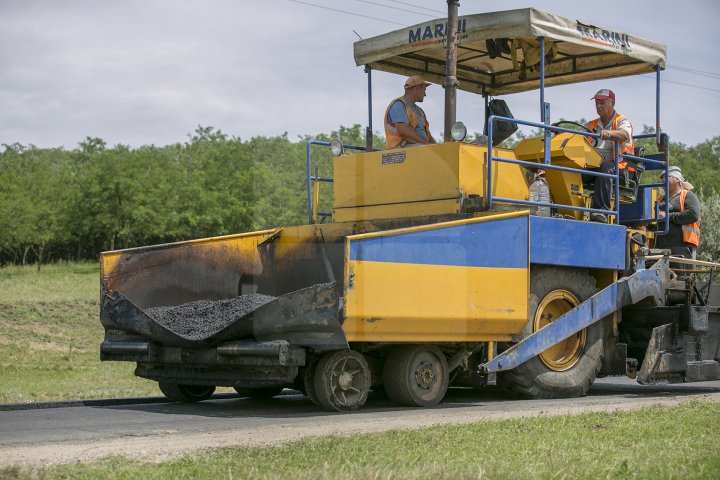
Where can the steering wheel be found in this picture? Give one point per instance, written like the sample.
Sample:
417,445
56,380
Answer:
593,140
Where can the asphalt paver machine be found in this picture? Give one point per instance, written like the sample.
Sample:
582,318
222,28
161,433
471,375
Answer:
436,266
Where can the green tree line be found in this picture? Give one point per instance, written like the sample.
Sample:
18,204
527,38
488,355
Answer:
58,204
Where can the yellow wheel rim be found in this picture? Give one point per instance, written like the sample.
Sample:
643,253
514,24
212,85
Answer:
565,354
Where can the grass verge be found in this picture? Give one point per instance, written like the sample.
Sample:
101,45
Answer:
677,442
49,347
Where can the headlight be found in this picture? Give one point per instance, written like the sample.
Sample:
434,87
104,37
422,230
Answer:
336,146
458,132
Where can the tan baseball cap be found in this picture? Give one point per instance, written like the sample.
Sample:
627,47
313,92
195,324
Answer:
414,81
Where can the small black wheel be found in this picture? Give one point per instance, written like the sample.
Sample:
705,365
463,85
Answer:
342,380
264,392
186,393
570,367
593,141
416,375
309,381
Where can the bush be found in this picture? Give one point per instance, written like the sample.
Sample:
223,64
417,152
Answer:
710,229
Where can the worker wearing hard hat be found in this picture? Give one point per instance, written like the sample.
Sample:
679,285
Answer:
609,125
405,122
683,237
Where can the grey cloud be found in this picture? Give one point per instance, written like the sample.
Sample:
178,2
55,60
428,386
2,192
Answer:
136,72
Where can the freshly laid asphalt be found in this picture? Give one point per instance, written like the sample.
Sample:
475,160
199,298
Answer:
30,430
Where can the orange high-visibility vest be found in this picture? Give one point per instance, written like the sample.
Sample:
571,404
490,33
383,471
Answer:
392,136
691,231
623,148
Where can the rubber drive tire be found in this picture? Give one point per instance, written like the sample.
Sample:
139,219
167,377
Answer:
534,378
342,381
186,393
259,393
416,375
309,381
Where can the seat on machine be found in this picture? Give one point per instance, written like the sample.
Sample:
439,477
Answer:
629,180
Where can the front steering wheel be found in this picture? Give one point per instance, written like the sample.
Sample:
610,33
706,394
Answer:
593,140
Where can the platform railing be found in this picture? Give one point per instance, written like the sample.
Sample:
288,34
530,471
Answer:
660,160
316,180
547,165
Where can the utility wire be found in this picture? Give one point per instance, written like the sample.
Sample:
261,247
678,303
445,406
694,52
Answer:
693,86
418,6
394,8
695,72
349,13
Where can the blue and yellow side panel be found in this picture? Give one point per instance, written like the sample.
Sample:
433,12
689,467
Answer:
569,243
462,281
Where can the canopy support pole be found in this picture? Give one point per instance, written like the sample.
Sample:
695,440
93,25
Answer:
542,79
450,84
657,104
544,107
368,129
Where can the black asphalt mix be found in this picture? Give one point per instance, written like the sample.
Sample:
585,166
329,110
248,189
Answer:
203,318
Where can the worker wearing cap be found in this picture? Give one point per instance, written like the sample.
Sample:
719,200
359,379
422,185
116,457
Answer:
610,125
683,237
405,122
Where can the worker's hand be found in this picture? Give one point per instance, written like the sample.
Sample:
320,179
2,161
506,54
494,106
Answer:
605,134
661,213
408,133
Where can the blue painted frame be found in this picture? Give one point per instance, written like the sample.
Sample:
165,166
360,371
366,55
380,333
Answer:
569,243
487,243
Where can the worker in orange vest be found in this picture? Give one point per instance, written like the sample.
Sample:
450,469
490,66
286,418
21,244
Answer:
684,236
405,122
610,125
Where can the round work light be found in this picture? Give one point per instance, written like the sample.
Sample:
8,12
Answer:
336,146
458,131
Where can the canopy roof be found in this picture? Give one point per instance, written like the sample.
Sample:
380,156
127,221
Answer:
487,42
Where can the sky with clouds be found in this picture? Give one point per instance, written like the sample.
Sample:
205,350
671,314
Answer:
139,72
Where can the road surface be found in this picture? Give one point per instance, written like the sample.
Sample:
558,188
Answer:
156,431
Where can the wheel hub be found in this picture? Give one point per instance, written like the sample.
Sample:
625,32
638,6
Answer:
425,375
565,354
345,380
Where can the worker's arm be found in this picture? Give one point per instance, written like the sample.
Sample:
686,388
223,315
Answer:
691,214
621,135
409,133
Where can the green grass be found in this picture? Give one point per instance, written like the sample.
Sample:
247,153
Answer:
50,336
65,282
49,340
679,442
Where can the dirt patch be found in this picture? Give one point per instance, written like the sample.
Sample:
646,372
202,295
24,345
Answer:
35,328
203,318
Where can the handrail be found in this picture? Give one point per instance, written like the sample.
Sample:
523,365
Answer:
311,178
665,185
547,165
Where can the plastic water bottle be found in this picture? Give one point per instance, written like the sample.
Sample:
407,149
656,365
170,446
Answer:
540,192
